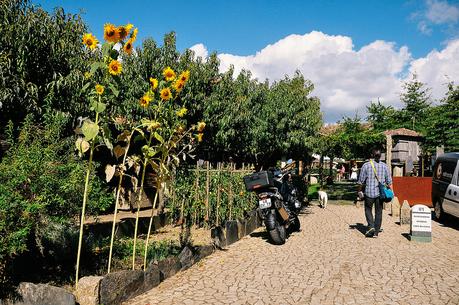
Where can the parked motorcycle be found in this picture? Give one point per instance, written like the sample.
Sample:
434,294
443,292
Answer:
278,204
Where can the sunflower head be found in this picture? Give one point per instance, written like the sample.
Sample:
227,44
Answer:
115,67
99,89
184,76
169,74
178,85
166,94
201,126
111,33
123,31
128,47
181,112
87,75
134,34
153,83
180,129
90,41
145,100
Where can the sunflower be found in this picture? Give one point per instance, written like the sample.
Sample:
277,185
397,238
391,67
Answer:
123,31
90,41
181,112
199,136
134,34
178,85
184,76
145,100
201,126
153,83
166,94
99,89
128,46
111,33
180,129
87,75
115,67
169,74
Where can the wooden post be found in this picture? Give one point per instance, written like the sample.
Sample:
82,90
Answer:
207,191
230,197
389,153
422,165
196,195
300,166
219,166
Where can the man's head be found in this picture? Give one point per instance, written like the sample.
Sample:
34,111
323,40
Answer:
376,154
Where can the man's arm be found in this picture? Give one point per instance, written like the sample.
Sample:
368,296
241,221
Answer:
362,178
388,178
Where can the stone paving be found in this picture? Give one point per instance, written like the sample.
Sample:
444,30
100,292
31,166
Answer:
328,262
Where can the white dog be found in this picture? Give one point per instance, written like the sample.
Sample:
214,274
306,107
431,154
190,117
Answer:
323,199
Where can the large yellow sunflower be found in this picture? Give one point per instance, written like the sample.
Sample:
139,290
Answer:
199,136
128,46
166,94
184,76
178,85
134,34
145,100
123,31
115,67
111,33
169,74
90,41
153,83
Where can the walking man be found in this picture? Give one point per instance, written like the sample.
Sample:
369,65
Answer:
371,173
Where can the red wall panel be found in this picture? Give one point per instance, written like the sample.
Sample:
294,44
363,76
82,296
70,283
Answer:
417,190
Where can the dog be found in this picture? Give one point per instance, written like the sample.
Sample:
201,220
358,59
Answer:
323,199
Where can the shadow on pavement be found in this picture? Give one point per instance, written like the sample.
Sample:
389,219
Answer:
449,222
407,236
263,234
360,227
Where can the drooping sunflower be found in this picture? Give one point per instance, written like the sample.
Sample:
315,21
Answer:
90,41
145,100
166,94
178,85
169,74
111,33
128,46
199,136
115,67
184,76
123,30
134,34
99,89
181,112
153,83
201,126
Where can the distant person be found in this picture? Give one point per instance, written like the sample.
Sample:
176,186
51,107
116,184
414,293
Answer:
341,172
374,167
354,171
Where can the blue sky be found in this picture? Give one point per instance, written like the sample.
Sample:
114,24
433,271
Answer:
373,45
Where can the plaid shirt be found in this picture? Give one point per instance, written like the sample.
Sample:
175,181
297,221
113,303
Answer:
367,177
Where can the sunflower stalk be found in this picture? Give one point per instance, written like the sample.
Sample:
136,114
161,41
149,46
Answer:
139,199
85,199
117,202
158,185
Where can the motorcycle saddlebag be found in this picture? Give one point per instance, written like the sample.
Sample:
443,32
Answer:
258,180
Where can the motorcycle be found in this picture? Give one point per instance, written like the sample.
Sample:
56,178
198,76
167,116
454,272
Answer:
278,204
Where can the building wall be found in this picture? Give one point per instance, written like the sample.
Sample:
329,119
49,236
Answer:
406,151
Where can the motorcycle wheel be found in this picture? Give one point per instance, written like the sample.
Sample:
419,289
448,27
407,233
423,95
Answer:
295,226
278,235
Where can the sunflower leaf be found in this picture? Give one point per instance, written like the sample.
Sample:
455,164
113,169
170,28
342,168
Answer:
90,130
94,67
118,151
106,49
109,172
158,137
82,146
98,106
114,90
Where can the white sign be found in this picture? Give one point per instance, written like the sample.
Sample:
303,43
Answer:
421,218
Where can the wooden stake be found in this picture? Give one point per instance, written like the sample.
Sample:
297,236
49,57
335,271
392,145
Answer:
218,196
207,191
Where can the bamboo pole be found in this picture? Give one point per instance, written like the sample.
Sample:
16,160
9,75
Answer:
207,191
218,197
158,187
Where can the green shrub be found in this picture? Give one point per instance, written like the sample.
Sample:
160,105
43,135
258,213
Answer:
40,183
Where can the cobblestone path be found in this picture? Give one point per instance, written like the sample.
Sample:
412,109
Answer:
328,262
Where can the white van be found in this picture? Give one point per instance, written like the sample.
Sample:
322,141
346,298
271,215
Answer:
445,185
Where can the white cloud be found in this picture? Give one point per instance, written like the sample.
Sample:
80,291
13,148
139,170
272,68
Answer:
438,68
345,78
440,12
200,50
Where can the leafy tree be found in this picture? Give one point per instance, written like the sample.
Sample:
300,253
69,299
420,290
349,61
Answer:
41,61
382,117
443,122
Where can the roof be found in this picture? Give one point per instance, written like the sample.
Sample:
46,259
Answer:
449,156
403,132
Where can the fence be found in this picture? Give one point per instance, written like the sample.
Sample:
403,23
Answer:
209,194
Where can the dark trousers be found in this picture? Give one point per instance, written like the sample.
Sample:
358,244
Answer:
376,223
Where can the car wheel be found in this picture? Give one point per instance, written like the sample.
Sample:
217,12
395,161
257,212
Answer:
438,210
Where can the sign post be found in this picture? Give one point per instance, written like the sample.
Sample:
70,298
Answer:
421,223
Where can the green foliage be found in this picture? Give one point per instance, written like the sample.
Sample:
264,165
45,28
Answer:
235,201
39,182
41,61
443,123
416,100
